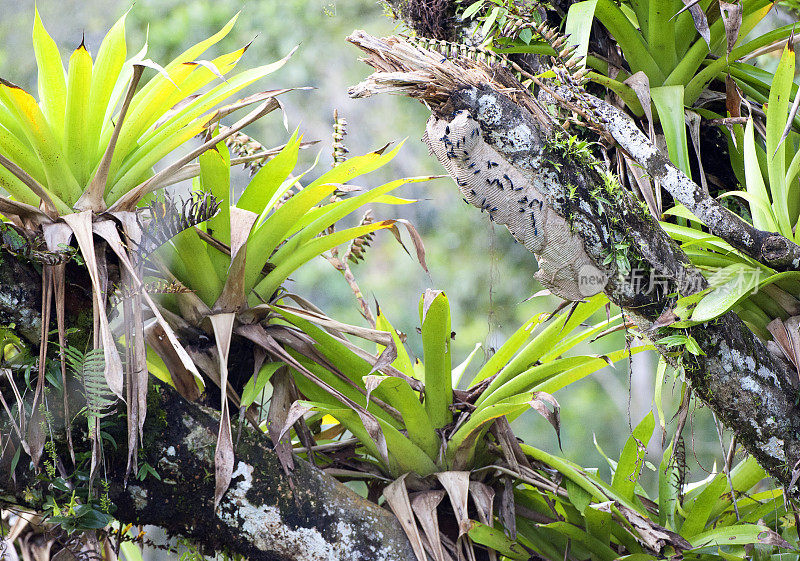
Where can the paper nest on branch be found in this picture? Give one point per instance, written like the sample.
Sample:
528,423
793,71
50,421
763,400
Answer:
489,182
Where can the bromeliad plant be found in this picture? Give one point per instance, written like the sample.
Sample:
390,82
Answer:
399,396
768,301
405,428
231,268
79,162
413,427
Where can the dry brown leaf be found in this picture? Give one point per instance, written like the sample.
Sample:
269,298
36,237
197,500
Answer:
732,18
483,497
693,119
397,496
370,383
640,84
56,236
512,452
279,406
133,233
508,514
373,428
233,298
223,455
108,231
667,318
183,380
388,369
642,181
538,404
37,434
416,239
787,337
456,483
699,18
733,98
652,535
424,505
9,552
783,298
386,358
296,411
29,216
81,224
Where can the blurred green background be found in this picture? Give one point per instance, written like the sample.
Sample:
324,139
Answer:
486,275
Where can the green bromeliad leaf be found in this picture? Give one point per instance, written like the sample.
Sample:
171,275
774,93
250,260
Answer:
60,140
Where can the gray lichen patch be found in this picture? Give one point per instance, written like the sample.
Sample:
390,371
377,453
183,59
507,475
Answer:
265,528
139,496
774,447
197,440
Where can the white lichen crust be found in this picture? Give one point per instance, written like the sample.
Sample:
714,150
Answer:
488,181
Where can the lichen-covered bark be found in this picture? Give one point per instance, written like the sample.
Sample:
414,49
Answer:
769,248
263,515
748,387
20,296
751,390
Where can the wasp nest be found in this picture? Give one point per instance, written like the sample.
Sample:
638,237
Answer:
491,183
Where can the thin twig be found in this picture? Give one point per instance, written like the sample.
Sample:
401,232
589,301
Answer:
344,268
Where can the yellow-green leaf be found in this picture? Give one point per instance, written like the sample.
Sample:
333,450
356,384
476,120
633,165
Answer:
76,140
52,85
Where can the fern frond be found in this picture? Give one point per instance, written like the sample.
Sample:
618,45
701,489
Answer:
169,217
90,368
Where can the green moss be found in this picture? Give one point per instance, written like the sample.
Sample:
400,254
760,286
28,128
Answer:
155,424
81,327
573,149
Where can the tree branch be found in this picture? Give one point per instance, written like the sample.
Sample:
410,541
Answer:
769,248
483,126
263,515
